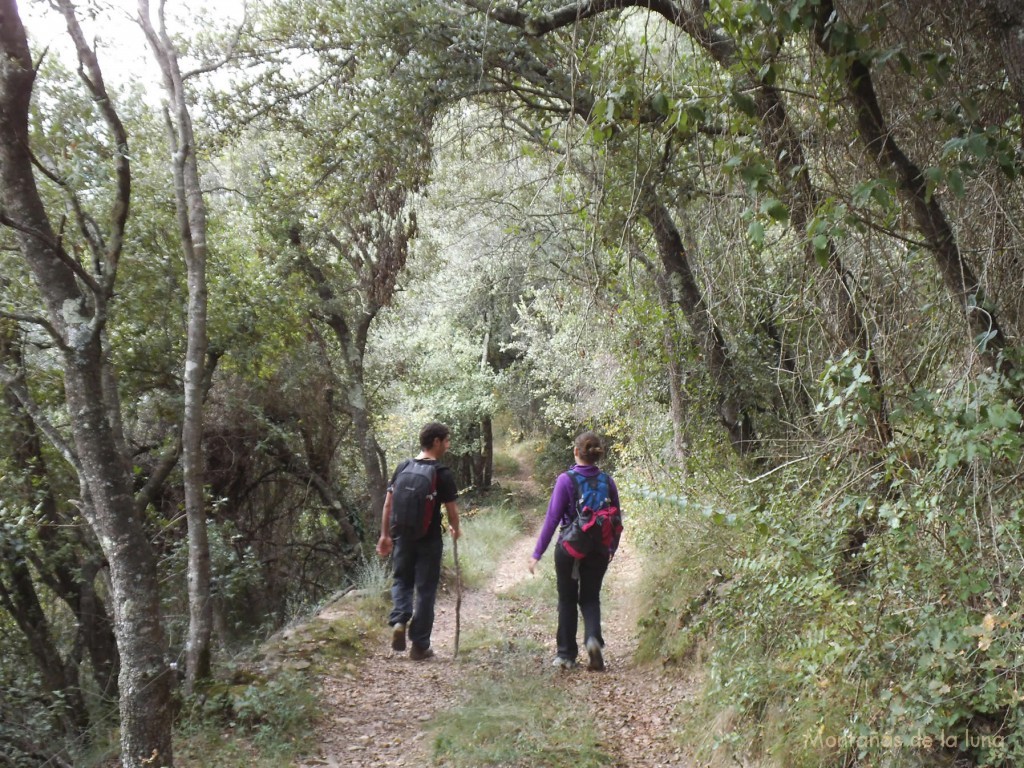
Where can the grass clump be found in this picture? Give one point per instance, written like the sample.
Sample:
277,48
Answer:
505,464
487,534
372,576
263,714
541,588
517,718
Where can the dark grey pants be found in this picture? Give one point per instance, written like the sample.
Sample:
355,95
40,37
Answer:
417,571
584,593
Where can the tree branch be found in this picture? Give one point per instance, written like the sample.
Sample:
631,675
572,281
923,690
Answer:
57,248
15,382
92,76
34,320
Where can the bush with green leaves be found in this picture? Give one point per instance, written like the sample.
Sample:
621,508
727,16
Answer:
863,611
270,717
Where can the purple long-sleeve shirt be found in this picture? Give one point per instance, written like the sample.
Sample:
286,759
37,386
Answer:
563,505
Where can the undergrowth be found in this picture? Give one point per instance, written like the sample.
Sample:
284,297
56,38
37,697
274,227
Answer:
264,711
853,610
248,722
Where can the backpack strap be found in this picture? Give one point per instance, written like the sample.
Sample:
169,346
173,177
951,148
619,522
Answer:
577,484
399,470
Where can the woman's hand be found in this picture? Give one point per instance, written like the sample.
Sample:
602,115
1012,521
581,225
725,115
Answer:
533,565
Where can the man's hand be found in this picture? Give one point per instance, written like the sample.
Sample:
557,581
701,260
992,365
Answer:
533,565
456,533
385,545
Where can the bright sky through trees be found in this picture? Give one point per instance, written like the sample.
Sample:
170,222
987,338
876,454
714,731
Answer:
111,27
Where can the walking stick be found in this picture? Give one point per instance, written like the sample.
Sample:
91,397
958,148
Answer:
458,595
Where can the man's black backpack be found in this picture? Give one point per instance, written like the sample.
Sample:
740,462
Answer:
597,524
413,498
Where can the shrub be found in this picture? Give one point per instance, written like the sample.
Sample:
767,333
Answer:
868,610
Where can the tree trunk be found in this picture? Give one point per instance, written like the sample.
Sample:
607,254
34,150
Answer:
376,483
352,345
881,147
486,425
674,370
191,209
75,314
145,682
733,402
362,423
487,470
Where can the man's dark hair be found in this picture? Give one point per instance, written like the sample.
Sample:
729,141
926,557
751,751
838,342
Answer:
431,432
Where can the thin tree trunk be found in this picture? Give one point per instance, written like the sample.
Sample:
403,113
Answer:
674,371
487,474
486,425
191,210
352,345
369,450
353,350
733,408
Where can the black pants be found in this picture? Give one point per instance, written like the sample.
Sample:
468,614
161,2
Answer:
585,593
417,566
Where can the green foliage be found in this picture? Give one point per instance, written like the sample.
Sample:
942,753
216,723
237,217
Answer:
254,722
28,727
861,615
847,392
689,535
857,592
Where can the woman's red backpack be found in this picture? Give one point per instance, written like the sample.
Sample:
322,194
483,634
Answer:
597,524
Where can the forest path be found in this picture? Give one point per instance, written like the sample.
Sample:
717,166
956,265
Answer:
377,712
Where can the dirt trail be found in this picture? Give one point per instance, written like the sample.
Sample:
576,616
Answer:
376,715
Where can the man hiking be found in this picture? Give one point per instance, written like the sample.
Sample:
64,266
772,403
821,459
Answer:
411,529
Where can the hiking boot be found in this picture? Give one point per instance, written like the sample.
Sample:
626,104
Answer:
561,662
398,637
596,663
419,654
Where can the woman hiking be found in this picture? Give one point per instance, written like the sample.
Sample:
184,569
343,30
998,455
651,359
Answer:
584,492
